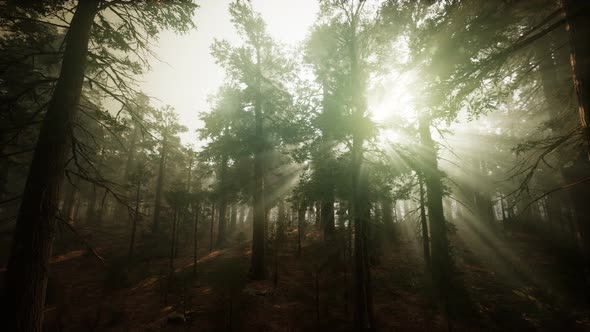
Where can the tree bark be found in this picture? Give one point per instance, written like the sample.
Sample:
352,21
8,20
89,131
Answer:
441,261
364,317
28,264
327,217
160,185
222,224
233,217
92,207
173,244
197,207
257,265
577,13
135,219
424,224
211,226
300,225
387,216
121,210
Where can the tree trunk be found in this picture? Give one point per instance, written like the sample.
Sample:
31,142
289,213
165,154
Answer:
387,216
222,225
364,318
577,13
91,212
135,220
441,261
363,293
121,211
257,265
195,237
424,224
73,203
233,217
327,217
160,185
68,206
300,226
250,216
173,244
28,264
241,215
281,218
211,226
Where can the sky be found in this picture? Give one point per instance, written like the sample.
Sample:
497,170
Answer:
187,73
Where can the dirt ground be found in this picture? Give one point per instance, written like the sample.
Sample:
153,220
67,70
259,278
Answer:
508,282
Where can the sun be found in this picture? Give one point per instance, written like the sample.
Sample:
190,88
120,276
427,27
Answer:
392,103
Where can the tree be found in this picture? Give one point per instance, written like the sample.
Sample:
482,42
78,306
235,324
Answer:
26,274
578,27
137,179
259,65
167,126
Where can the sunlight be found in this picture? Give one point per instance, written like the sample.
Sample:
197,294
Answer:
392,104
242,164
185,74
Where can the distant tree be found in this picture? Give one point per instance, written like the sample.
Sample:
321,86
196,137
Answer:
259,65
137,179
167,127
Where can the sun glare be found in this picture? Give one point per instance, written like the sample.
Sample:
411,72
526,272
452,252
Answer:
392,103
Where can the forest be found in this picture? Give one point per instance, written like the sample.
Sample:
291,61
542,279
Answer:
377,165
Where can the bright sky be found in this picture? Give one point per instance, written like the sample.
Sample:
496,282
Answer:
188,74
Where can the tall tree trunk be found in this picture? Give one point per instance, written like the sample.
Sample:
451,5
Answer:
441,260
135,219
70,198
73,202
281,218
326,181
327,217
173,244
222,225
233,217
197,211
240,215
363,293
387,216
250,216
121,210
211,226
577,13
364,318
189,174
424,224
300,225
160,185
92,206
318,214
28,264
257,265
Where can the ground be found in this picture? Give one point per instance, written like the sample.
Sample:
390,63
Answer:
523,286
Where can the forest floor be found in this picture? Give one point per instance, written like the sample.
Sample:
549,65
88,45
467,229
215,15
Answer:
508,282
